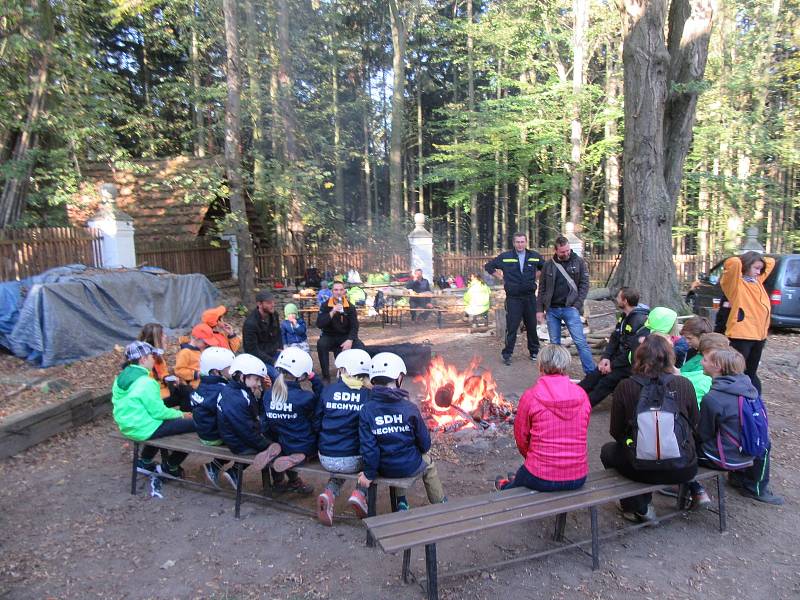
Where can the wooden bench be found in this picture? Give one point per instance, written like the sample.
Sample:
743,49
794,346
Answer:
191,444
428,525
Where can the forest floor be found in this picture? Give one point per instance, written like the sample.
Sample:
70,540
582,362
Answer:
71,529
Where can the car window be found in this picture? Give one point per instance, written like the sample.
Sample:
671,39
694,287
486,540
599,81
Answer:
715,274
792,276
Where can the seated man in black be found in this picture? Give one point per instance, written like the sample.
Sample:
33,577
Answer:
262,329
419,285
615,364
338,321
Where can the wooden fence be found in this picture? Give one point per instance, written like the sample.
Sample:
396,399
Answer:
28,252
279,265
212,259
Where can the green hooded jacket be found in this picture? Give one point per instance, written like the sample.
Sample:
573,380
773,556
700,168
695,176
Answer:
138,408
693,371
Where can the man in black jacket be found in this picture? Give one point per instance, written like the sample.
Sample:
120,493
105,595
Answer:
519,269
615,364
562,292
262,329
338,321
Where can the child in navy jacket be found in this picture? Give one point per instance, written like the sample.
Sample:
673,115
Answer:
338,414
393,436
293,329
288,414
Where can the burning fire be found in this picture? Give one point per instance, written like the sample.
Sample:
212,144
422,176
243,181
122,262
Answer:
467,398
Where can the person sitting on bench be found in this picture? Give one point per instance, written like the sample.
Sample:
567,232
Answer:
338,321
419,285
478,301
338,412
551,429
393,437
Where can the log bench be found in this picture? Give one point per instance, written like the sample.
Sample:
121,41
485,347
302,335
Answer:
428,525
191,444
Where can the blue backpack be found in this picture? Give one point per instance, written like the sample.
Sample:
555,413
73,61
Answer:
755,426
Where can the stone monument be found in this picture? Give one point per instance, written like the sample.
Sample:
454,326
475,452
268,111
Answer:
421,242
117,228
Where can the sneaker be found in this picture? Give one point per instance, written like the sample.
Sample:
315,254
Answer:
636,517
507,361
766,496
173,472
262,459
212,470
298,486
358,502
284,463
500,481
402,505
146,468
671,491
231,477
534,357
700,499
325,508
156,487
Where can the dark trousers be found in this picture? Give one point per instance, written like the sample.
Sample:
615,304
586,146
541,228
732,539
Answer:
525,479
170,427
598,385
755,478
614,456
751,350
420,303
332,343
521,309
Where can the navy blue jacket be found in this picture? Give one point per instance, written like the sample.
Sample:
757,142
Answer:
237,419
204,406
293,423
338,412
294,334
392,433
516,282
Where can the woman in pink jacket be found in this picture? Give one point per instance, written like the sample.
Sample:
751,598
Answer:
550,429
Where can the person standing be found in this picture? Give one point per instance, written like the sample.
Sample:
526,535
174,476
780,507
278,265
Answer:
519,268
750,309
338,321
563,287
262,329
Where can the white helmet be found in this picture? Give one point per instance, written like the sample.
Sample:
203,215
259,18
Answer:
387,364
247,364
295,361
215,357
354,361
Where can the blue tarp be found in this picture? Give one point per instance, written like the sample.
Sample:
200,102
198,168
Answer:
70,313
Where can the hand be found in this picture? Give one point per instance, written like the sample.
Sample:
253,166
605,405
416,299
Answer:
187,415
226,327
498,273
363,481
604,366
540,318
338,308
347,345
292,318
266,382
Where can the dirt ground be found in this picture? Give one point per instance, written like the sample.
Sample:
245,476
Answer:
71,529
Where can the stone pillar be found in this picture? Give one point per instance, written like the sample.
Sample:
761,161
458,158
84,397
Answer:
575,243
421,241
117,227
751,241
233,252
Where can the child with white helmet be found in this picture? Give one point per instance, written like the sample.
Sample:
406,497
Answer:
288,414
338,412
237,414
393,436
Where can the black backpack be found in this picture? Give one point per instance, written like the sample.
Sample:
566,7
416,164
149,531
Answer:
661,437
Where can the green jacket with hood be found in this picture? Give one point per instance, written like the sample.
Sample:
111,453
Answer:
138,407
692,369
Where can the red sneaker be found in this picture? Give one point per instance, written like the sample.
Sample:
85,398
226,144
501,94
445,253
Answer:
325,508
358,502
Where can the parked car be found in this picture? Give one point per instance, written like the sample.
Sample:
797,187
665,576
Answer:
782,285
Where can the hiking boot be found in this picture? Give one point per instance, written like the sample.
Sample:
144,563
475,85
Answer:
298,486
507,361
262,459
231,477
358,502
212,471
156,487
766,496
284,463
325,508
146,468
700,499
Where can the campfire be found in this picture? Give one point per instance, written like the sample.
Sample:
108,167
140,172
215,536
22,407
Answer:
454,400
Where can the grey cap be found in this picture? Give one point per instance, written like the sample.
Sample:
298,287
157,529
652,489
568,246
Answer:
264,296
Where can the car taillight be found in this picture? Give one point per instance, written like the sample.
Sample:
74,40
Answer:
775,297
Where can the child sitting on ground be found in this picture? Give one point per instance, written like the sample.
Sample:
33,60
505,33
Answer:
293,329
288,414
393,437
338,412
141,415
237,410
551,429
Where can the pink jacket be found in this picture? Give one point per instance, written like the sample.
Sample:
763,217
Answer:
550,429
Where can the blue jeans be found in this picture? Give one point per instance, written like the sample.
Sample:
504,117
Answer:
525,479
572,319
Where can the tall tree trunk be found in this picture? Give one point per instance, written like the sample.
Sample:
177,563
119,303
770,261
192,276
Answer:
398,26
661,80
420,188
579,31
365,128
256,103
506,208
199,145
473,195
611,208
338,185
233,158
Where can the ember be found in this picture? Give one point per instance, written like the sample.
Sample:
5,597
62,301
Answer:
454,400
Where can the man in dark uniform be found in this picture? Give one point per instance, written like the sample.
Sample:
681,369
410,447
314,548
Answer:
519,269
338,321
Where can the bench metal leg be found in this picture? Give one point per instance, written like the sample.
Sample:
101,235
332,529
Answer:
406,564
431,568
723,513
393,498
595,539
239,477
561,523
372,509
683,492
134,472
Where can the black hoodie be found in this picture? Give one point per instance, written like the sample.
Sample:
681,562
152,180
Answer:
719,420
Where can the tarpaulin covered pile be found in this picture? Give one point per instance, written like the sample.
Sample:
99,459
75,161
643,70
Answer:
70,313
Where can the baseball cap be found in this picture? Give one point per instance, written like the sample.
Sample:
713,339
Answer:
203,332
212,315
137,350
